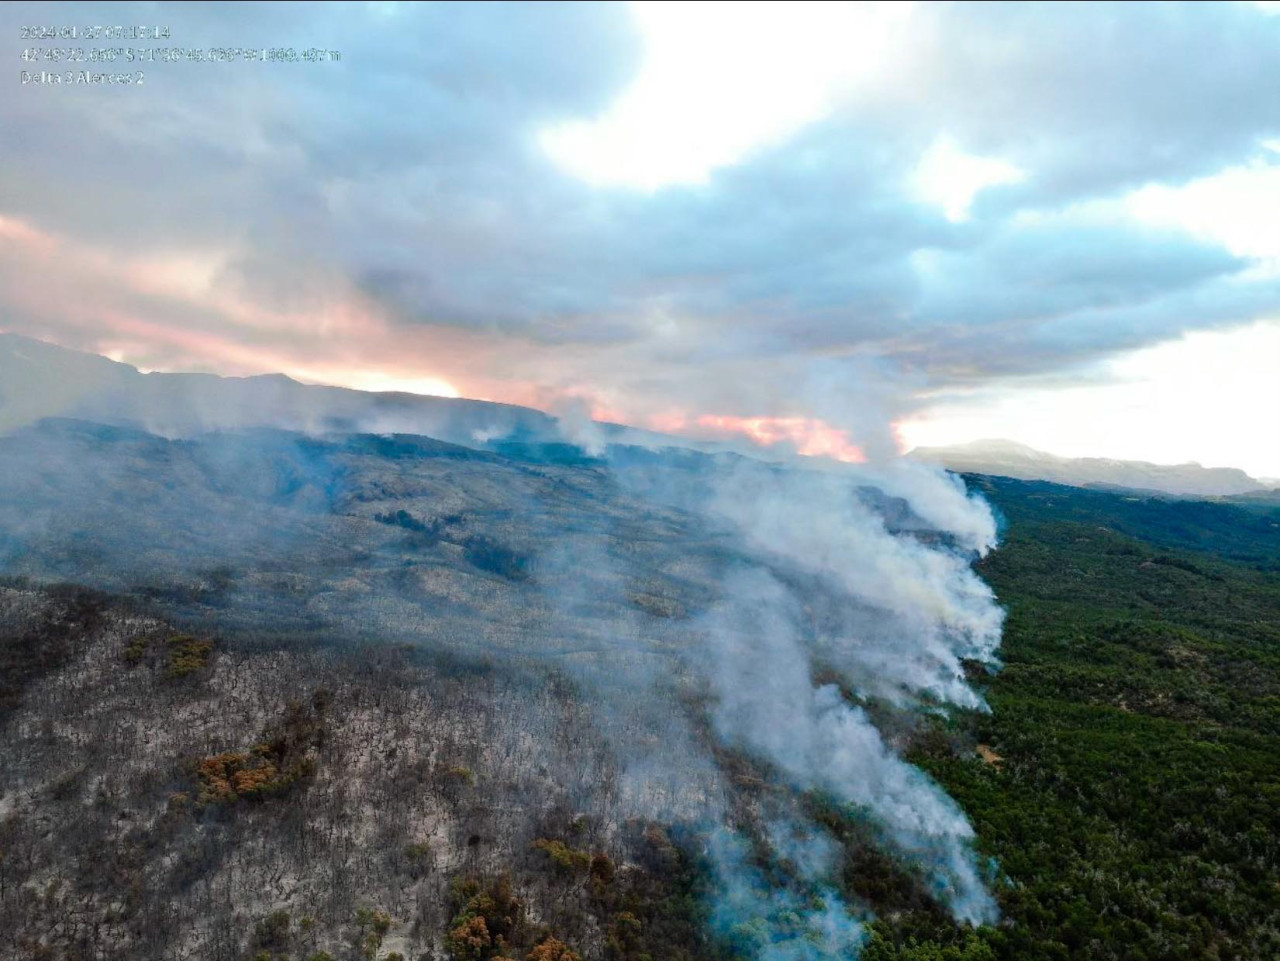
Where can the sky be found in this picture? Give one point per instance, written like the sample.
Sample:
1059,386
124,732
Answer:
845,228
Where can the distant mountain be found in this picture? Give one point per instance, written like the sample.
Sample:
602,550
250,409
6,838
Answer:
39,380
1006,458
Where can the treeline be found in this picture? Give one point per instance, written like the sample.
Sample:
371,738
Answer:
1128,777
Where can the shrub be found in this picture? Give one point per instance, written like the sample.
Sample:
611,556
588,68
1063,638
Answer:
552,949
186,655
602,869
282,760
469,939
489,555
487,920
373,926
133,653
565,859
272,933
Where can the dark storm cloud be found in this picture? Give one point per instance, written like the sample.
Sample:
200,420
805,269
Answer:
411,172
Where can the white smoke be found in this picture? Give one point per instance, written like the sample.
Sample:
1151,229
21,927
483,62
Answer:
573,421
909,612
771,575
916,608
937,497
772,923
769,706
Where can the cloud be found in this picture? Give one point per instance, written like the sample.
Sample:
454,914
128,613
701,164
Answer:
1101,99
951,179
396,214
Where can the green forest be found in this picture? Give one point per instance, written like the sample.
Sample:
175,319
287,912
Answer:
1127,779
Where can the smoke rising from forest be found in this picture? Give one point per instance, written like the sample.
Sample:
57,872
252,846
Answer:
705,605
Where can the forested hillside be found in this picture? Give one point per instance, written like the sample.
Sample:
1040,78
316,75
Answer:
1127,779
170,794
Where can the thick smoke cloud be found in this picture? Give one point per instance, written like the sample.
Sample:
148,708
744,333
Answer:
909,612
769,706
703,604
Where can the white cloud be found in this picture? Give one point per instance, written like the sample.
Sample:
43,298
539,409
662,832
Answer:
1238,208
416,215
721,79
950,178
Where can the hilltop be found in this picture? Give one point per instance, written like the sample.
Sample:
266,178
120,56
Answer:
1007,458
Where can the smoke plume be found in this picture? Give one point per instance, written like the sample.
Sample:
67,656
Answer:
708,606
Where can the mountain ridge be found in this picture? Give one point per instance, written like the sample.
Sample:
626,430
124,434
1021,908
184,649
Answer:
1006,458
39,380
